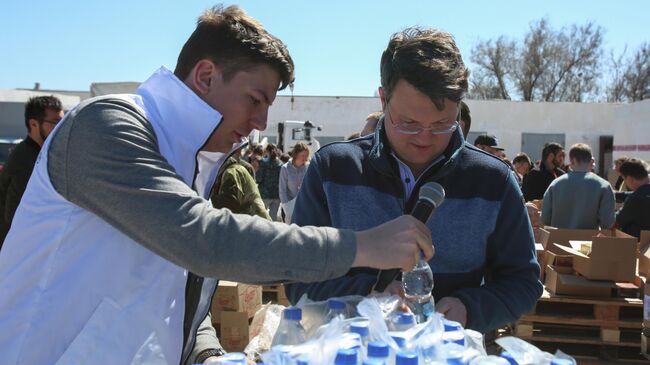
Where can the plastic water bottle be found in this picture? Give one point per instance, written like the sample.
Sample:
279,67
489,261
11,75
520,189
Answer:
451,325
399,339
336,307
406,358
403,321
418,284
290,331
361,327
378,350
454,337
346,357
506,355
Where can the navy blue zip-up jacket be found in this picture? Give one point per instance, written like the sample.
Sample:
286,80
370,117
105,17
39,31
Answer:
484,245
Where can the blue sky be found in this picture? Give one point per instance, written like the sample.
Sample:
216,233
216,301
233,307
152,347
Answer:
335,44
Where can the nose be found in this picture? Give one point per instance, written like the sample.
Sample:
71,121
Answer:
259,120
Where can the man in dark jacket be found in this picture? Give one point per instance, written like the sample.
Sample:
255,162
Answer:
41,115
538,179
635,214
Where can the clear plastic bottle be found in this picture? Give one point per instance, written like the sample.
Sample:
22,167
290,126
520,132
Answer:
406,358
403,321
378,350
399,339
361,327
290,331
457,337
347,357
336,307
418,284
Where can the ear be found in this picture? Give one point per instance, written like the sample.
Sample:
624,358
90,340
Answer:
382,97
202,77
33,124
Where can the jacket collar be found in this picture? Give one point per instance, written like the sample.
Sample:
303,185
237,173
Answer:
184,122
381,160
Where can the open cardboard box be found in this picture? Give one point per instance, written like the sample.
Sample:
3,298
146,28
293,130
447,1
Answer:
561,281
611,258
565,262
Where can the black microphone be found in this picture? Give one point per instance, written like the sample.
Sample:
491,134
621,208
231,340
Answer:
430,196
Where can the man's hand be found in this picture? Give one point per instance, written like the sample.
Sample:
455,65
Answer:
394,244
453,309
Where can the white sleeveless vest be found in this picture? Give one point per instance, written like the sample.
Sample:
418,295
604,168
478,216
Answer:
75,290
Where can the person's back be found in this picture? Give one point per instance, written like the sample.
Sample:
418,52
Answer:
579,200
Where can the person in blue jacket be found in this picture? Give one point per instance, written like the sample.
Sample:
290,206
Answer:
485,267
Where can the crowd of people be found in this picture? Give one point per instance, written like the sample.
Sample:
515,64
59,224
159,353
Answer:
136,205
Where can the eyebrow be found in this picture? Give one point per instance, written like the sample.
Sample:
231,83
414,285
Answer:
266,98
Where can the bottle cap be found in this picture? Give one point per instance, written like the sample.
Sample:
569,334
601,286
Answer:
360,327
405,318
346,357
406,358
335,303
293,313
378,349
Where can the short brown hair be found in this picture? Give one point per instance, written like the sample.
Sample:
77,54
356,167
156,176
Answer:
581,153
522,157
429,60
635,168
235,42
298,147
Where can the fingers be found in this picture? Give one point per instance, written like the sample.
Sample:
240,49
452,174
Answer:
422,238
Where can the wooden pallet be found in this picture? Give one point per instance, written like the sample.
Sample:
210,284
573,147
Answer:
604,327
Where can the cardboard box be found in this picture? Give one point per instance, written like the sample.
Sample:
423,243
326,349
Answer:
551,235
644,253
561,261
560,281
646,306
610,258
234,331
236,297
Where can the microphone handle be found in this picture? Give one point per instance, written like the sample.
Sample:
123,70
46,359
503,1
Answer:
422,212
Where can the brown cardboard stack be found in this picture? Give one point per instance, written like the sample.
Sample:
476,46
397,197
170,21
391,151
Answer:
645,331
233,305
607,263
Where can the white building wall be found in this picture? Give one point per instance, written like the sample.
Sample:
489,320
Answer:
507,120
632,137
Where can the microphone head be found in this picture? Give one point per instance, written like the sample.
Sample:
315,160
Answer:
432,192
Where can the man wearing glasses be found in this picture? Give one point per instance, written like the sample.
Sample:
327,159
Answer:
485,269
42,113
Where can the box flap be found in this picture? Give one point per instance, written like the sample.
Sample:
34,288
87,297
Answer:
570,251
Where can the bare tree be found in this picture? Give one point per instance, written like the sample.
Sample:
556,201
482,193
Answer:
574,65
637,75
616,84
495,61
549,65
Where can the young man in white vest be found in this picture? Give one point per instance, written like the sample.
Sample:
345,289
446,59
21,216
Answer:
114,251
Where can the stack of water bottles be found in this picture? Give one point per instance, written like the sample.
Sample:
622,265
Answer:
377,331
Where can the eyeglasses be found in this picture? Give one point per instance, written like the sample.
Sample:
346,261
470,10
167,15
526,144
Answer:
413,128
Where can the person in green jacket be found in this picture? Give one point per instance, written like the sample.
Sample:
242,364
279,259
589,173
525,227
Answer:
237,190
